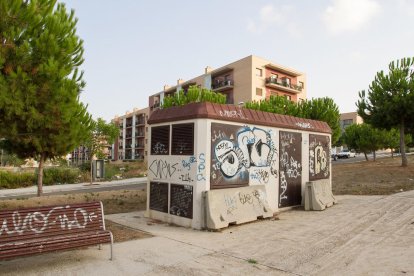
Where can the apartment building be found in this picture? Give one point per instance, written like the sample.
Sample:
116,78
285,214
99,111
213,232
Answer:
79,155
349,118
249,79
132,142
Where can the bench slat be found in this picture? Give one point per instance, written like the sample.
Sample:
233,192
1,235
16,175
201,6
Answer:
31,231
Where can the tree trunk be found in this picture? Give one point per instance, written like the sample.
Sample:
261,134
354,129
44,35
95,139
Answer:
91,182
404,161
40,175
374,154
366,156
392,153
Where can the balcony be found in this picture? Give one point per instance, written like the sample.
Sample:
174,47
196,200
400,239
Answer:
222,85
140,122
283,85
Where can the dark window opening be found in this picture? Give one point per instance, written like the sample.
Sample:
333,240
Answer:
160,138
182,139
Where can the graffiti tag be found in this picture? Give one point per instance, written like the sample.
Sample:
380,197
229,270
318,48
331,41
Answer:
162,169
39,222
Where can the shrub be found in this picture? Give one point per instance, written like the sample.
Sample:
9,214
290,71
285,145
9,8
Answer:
59,175
12,180
85,167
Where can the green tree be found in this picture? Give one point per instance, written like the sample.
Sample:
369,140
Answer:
364,138
390,100
40,53
99,137
322,109
392,140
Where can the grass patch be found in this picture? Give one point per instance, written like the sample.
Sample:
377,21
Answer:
252,261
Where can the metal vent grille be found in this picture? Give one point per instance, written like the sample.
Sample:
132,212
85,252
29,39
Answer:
182,139
160,140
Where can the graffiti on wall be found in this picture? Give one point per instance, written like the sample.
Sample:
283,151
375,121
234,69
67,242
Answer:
290,168
241,153
319,157
237,202
185,169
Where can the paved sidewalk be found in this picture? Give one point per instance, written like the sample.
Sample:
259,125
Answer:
362,235
69,187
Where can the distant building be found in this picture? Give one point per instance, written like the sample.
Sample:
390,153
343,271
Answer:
248,79
347,119
131,144
79,155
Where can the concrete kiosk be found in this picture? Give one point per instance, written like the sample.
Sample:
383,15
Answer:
211,165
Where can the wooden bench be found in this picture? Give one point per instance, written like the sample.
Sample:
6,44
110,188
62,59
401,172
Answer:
32,231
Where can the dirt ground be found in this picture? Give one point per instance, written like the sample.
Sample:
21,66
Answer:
382,177
385,176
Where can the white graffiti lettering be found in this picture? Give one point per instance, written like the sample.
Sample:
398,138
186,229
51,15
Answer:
304,125
254,148
232,114
39,222
160,148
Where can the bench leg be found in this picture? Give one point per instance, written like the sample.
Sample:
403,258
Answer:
112,243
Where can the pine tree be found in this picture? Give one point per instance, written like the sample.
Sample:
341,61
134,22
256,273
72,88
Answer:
41,115
390,100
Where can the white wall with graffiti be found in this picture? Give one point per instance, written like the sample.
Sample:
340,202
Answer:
176,181
229,155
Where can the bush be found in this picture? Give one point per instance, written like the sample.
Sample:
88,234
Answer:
85,167
12,180
59,175
51,176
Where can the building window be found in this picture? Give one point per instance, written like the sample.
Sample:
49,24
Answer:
160,140
259,91
273,76
259,72
301,84
182,139
288,97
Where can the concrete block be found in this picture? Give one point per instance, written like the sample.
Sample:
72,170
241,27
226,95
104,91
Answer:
318,195
236,206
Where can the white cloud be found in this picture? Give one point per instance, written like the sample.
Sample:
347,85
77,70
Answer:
350,15
269,17
406,6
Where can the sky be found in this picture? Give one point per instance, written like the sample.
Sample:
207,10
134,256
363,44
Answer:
133,48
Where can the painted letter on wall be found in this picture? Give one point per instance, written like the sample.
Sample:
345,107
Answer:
290,167
240,153
319,156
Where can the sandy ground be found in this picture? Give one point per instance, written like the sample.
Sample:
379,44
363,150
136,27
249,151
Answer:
362,235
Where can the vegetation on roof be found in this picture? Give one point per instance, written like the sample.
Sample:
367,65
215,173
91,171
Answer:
321,109
194,94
